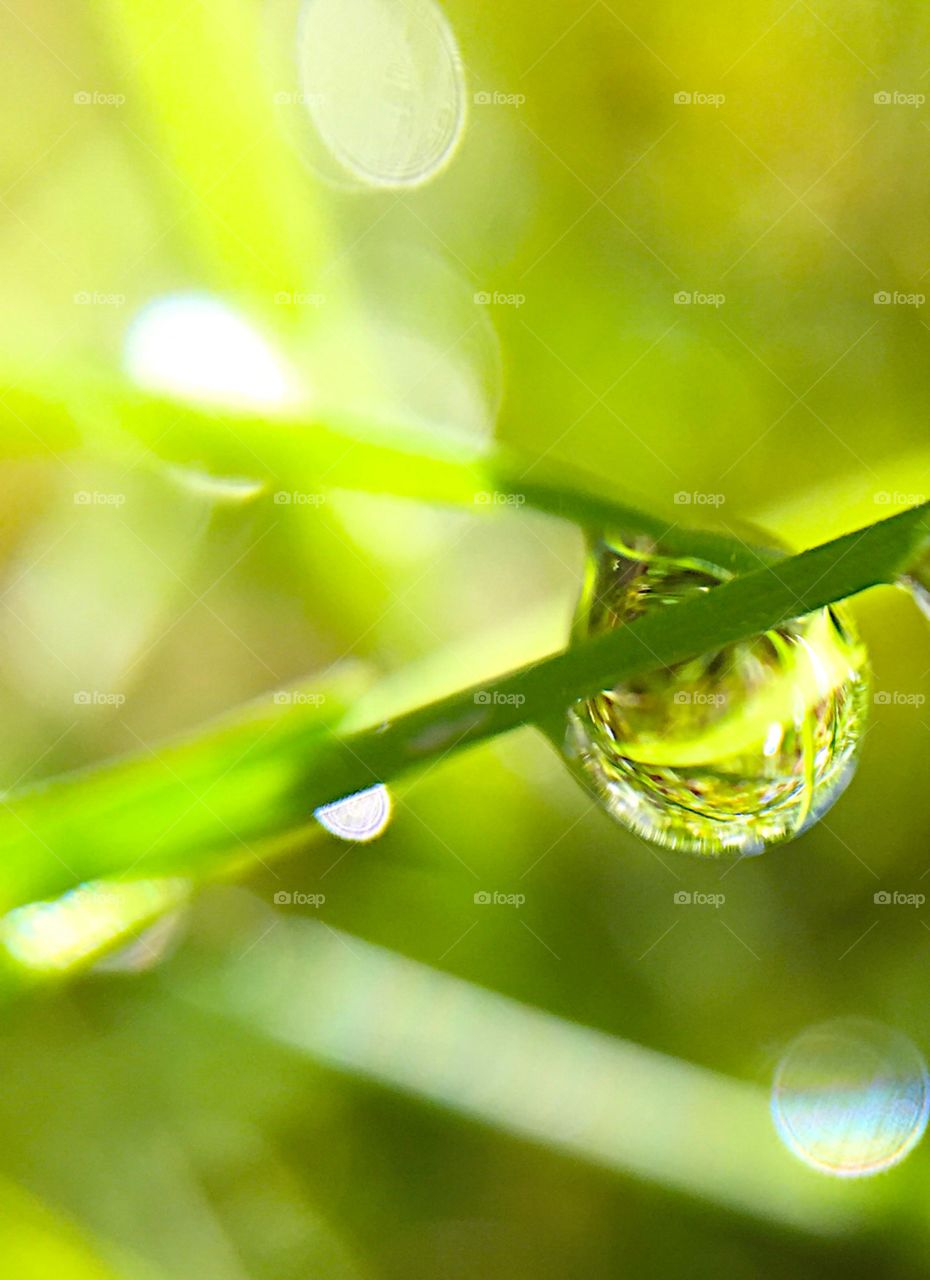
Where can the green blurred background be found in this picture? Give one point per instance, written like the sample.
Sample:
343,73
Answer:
166,151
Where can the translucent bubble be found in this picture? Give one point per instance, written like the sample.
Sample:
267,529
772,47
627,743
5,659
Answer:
850,1097
383,85
359,817
728,752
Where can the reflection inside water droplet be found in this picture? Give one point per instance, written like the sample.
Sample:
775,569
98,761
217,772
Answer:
359,817
850,1097
383,85
728,752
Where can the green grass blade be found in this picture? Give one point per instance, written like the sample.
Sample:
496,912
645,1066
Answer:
207,798
334,450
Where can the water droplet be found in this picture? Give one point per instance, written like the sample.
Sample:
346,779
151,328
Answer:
728,752
194,347
359,817
917,578
850,1097
383,85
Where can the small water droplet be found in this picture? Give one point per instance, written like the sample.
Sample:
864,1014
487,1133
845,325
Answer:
851,1097
192,346
362,816
728,752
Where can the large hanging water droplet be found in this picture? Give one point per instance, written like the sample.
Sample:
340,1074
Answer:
851,1097
728,752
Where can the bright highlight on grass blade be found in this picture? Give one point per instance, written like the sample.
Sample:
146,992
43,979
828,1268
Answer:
383,85
52,937
360,817
851,1097
727,752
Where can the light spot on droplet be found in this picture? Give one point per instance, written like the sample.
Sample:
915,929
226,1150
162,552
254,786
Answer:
773,738
383,84
194,347
362,816
850,1097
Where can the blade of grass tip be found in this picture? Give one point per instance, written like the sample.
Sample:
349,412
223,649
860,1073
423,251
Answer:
177,808
209,797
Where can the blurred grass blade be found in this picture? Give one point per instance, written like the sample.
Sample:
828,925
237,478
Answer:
36,1243
183,806
205,106
335,450
264,774
360,1008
